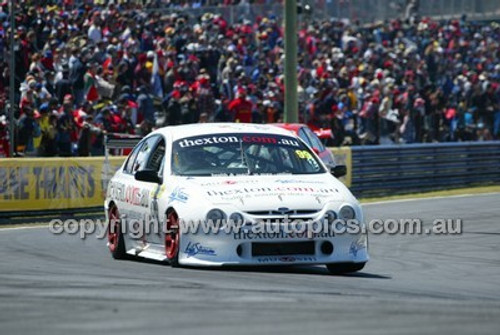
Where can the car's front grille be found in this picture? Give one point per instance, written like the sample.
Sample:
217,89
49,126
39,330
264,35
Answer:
291,212
282,249
283,220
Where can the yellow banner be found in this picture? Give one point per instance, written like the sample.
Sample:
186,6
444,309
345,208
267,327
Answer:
54,183
343,156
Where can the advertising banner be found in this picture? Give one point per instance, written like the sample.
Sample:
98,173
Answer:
343,156
54,183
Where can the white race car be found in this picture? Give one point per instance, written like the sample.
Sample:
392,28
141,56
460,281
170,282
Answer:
233,194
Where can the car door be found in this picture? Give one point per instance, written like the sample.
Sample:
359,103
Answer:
121,183
138,194
156,162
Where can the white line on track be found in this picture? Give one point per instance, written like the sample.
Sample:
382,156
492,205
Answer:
21,228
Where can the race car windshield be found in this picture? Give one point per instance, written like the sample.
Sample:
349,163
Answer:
235,154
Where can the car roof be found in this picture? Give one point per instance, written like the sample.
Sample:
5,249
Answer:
199,129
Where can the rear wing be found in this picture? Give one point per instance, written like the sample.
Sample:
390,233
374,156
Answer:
323,133
119,142
116,144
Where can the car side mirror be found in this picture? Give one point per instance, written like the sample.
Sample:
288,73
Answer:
338,171
148,175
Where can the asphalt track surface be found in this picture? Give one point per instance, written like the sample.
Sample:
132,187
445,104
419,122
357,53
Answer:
60,284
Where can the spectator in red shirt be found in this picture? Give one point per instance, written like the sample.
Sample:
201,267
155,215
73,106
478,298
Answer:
90,85
241,108
205,98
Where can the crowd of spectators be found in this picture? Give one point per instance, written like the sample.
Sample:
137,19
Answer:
86,70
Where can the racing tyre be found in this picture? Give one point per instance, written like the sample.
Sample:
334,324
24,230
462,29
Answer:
342,268
172,239
116,244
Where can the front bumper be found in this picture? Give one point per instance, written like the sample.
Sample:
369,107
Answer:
254,249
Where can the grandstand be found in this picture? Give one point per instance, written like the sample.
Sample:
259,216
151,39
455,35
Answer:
374,71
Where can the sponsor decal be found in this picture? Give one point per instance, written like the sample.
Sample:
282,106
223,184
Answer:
269,191
136,196
178,194
355,248
255,181
115,190
286,259
264,139
160,191
130,194
236,138
297,181
156,194
229,182
185,143
194,249
281,234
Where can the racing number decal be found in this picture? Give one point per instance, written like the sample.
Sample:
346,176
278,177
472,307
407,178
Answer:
303,154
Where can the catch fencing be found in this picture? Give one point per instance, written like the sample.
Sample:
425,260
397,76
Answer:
410,168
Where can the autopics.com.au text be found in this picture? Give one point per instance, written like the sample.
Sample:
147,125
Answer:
282,228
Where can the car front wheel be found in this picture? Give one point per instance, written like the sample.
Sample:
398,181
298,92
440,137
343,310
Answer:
116,244
172,238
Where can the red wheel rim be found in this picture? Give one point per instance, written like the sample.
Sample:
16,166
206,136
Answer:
172,236
113,229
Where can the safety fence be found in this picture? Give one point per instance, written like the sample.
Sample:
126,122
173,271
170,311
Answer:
410,168
41,186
